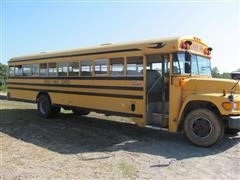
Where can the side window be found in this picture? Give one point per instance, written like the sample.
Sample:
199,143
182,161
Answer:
11,71
35,68
176,65
86,68
62,69
135,66
52,69
116,66
101,67
18,70
43,69
155,63
26,70
73,69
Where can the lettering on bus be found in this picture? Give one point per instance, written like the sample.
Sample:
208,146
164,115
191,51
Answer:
49,81
55,81
197,47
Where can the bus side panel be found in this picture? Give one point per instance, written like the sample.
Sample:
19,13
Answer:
123,105
22,94
117,96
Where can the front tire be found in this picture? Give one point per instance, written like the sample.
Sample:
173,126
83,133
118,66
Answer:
203,127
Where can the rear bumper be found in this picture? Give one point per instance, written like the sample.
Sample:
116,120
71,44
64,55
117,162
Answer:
233,122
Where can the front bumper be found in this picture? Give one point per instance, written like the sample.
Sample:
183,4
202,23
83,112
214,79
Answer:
233,122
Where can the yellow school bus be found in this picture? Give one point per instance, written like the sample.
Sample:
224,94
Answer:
163,83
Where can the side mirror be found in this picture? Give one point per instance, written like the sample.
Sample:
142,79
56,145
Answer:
187,67
235,75
188,56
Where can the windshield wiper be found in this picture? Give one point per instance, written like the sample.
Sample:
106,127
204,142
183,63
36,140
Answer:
235,86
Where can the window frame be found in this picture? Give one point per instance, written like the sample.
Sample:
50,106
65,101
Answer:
78,65
30,70
121,73
132,75
48,69
9,74
90,70
38,70
66,73
107,67
21,74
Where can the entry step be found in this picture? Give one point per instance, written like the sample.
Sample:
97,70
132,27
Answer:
157,119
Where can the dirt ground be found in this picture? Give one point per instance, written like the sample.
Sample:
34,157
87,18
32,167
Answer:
92,147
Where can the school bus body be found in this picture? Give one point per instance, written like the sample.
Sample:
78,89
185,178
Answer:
127,95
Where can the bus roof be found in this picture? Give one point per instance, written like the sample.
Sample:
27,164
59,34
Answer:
109,48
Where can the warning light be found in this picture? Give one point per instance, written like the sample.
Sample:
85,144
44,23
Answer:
207,51
186,45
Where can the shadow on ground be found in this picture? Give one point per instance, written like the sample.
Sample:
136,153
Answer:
69,134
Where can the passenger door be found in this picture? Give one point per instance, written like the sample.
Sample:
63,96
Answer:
157,93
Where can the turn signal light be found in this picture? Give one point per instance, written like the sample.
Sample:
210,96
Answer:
181,82
230,106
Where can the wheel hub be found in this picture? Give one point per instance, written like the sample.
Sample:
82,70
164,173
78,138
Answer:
202,127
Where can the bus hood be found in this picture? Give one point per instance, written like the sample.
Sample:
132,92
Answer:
210,85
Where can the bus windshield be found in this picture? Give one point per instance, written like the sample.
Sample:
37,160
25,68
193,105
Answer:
197,66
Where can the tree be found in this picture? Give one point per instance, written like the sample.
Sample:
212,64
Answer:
226,75
215,73
3,76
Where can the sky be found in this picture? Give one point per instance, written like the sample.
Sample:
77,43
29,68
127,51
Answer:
38,26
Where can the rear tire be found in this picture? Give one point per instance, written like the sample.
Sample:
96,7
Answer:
45,107
203,127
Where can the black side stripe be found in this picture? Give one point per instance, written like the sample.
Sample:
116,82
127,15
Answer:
79,86
74,55
81,93
81,78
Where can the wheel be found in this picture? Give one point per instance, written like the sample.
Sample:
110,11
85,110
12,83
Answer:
45,107
203,127
232,131
80,112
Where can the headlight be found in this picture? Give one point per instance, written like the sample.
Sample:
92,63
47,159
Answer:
231,106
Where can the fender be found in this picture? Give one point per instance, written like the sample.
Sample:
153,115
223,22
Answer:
215,98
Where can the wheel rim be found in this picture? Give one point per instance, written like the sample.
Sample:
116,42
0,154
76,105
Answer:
43,106
202,127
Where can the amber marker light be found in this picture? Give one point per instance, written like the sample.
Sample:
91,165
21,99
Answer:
181,82
230,106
